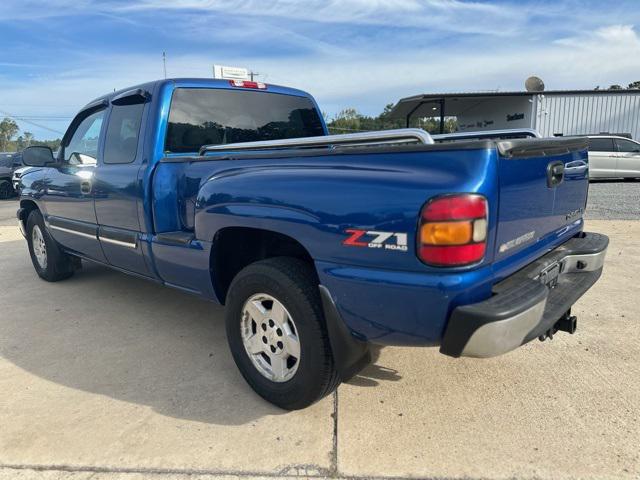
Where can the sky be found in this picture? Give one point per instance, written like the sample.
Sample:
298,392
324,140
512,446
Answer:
57,55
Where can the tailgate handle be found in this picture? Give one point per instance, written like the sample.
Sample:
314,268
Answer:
555,173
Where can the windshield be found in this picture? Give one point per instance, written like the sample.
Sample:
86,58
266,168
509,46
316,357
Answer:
200,116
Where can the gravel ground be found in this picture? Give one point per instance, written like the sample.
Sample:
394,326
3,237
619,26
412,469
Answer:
613,200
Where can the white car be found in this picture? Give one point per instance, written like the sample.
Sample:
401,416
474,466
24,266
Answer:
611,156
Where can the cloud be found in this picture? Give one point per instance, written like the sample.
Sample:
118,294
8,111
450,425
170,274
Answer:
623,36
360,80
442,15
350,53
452,15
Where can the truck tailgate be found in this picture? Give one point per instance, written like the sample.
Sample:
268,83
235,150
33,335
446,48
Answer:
543,189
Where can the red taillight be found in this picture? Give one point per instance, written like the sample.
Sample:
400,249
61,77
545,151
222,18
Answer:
247,84
455,207
453,230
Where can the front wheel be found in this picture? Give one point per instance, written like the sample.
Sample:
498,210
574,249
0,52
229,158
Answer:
277,334
49,261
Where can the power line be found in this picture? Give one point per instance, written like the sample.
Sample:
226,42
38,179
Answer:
42,117
17,117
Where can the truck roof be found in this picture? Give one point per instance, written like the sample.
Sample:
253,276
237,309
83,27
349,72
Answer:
194,83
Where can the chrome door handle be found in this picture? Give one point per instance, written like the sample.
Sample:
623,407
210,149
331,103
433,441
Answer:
575,167
85,187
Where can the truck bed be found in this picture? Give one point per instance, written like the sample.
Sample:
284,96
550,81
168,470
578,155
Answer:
314,195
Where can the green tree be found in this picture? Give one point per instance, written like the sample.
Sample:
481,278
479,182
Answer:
8,129
616,87
634,85
350,120
28,138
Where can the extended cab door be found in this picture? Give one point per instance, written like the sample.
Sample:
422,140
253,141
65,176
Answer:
68,195
628,158
603,157
118,190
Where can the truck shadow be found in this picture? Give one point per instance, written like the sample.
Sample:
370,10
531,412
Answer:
132,340
135,341
373,374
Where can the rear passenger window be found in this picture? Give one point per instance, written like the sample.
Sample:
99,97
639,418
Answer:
121,143
601,145
627,146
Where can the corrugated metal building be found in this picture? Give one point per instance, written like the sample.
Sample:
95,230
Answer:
560,112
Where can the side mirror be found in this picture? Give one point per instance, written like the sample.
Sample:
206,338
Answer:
37,156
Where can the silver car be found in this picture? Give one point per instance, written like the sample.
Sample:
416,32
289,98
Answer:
611,156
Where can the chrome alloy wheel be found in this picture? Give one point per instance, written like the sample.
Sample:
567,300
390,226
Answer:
39,246
270,337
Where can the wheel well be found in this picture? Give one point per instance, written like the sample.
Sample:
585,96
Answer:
27,206
236,247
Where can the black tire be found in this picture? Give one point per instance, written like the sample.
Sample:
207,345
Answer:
59,265
292,282
6,189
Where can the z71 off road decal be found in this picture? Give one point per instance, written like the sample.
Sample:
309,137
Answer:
374,239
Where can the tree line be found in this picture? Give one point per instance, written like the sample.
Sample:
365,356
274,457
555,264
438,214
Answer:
350,120
11,140
632,86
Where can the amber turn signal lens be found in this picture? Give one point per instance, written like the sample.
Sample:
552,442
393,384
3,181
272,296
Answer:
446,233
453,230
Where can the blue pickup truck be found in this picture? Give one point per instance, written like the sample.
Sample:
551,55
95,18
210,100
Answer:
318,245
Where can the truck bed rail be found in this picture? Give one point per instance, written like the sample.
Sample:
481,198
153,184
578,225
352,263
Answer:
397,136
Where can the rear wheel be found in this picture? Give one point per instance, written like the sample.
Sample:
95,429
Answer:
277,334
49,261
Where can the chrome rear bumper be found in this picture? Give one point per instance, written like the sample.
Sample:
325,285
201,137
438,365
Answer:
528,303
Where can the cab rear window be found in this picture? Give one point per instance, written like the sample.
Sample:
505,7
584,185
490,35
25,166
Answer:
201,116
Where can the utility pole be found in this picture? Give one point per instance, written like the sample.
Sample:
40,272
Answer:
252,73
164,64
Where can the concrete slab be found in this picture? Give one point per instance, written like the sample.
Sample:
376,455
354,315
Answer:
109,377
8,210
569,408
111,372
9,233
30,474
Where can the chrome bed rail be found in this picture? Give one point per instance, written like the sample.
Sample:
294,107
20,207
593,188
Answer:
398,136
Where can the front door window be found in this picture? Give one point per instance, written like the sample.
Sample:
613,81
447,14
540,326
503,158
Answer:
83,146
